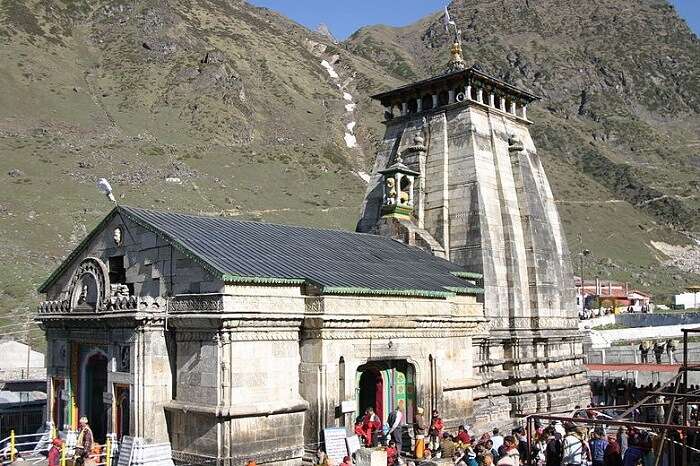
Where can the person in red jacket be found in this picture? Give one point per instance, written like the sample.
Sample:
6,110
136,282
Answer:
392,454
55,452
360,432
436,427
371,424
463,436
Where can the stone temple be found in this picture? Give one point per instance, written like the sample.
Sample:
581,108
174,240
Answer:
472,189
237,340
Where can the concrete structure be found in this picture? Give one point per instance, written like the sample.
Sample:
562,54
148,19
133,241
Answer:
459,176
236,339
616,296
19,361
688,300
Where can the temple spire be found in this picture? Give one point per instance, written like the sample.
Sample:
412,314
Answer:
456,62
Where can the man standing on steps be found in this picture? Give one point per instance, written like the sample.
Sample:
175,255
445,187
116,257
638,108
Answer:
396,421
83,445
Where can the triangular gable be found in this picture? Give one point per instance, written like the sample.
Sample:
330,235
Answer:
65,265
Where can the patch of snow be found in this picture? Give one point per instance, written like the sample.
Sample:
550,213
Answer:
364,176
347,96
350,140
330,69
350,107
351,127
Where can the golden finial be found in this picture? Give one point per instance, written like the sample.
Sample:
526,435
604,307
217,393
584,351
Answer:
456,62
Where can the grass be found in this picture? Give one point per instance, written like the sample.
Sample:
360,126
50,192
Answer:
277,154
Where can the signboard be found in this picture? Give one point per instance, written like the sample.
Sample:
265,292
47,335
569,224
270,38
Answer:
348,406
336,448
107,398
63,394
125,451
353,444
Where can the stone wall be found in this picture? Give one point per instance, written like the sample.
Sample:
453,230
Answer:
238,374
433,336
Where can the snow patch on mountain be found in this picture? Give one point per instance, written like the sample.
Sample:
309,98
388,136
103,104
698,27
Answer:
329,68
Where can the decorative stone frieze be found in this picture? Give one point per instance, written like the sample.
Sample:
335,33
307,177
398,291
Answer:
196,303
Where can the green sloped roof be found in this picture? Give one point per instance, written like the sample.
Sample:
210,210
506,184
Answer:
340,262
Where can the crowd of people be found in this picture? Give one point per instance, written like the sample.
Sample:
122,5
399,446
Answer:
577,443
619,391
589,313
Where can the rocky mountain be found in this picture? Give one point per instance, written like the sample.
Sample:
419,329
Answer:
219,107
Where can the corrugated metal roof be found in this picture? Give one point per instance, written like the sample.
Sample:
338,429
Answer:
238,250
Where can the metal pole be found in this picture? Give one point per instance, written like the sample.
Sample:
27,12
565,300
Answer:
12,445
29,349
684,453
108,449
669,416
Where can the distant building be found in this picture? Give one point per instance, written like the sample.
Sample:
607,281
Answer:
609,294
19,361
688,300
22,389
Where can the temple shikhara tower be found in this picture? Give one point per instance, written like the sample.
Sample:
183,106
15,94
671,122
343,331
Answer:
457,174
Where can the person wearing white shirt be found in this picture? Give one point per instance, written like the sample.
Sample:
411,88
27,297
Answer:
396,421
572,449
497,439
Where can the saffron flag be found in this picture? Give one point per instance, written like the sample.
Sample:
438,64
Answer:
447,20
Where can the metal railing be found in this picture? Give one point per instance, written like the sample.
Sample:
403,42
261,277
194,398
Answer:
34,448
29,446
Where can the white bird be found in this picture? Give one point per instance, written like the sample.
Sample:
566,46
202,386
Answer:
105,188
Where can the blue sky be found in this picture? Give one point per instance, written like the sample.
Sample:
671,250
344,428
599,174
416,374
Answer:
345,17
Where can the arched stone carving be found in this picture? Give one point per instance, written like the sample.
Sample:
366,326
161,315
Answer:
89,287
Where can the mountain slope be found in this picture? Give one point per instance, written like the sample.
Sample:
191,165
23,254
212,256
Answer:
220,107
208,106
618,125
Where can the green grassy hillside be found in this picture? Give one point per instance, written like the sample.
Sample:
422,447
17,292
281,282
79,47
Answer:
232,101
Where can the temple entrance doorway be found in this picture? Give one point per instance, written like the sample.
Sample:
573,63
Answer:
384,385
371,391
123,410
94,386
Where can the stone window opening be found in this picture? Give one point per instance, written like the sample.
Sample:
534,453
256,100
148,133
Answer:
406,191
443,98
497,101
117,273
426,102
412,106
